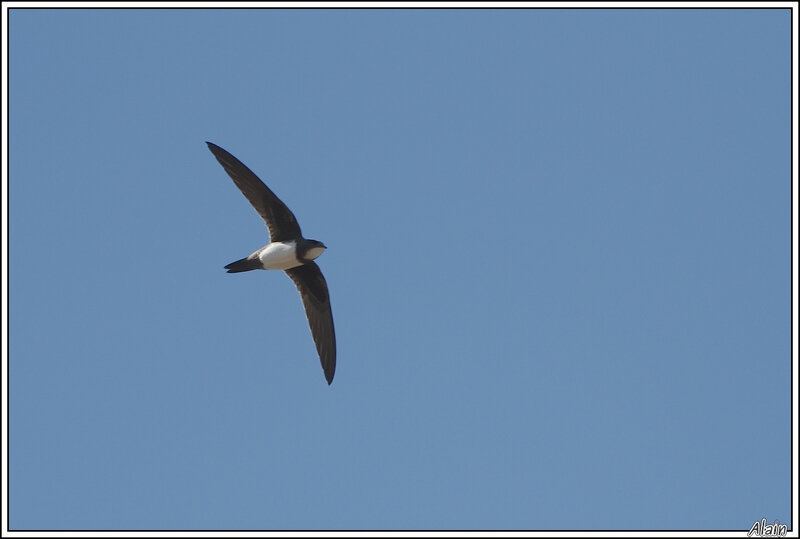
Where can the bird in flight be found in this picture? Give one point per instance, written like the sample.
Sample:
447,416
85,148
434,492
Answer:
289,251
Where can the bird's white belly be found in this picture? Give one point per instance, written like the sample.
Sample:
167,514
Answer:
279,256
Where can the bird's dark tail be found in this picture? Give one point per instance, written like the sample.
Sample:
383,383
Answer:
244,264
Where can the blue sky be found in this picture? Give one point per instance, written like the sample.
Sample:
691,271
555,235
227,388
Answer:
558,258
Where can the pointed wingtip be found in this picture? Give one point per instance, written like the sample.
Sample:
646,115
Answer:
214,148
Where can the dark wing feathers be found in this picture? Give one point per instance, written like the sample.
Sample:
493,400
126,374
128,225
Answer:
280,221
314,292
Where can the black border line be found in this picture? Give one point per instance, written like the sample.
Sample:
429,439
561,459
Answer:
421,530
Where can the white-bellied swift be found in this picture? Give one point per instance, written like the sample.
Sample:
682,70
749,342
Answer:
288,250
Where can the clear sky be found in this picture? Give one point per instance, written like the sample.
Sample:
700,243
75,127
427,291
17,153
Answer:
558,258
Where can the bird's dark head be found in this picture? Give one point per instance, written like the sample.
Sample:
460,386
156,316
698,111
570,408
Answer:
313,249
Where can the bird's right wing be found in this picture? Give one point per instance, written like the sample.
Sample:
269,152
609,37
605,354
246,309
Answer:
280,220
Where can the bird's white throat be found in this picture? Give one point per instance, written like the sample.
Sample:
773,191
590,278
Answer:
314,252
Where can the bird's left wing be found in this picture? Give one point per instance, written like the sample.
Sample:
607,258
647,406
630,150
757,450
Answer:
314,291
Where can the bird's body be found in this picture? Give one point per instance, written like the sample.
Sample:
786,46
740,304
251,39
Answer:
289,251
281,255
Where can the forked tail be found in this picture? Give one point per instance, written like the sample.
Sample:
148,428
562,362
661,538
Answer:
244,264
